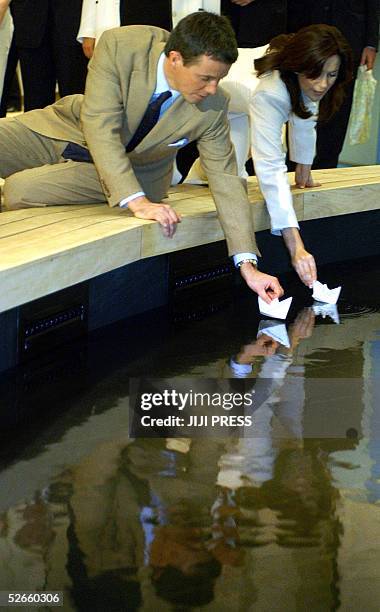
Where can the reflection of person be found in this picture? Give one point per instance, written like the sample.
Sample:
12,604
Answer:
278,400
302,77
101,15
358,20
131,67
45,36
6,30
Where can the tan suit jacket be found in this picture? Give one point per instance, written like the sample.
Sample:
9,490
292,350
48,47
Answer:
121,80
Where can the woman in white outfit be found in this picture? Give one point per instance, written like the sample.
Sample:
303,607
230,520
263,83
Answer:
6,33
300,79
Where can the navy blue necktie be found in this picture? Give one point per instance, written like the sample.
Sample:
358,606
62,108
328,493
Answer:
148,121
78,153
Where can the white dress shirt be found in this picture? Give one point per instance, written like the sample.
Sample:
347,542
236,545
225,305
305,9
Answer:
161,86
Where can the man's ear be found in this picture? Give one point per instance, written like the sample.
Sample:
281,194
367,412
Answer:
175,58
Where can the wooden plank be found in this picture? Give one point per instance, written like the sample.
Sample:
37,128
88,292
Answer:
77,263
41,243
341,201
43,250
89,215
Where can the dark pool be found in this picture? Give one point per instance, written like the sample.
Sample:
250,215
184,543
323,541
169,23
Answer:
282,516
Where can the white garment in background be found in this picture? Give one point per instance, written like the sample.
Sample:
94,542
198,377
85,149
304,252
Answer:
181,8
258,111
98,16
101,15
6,33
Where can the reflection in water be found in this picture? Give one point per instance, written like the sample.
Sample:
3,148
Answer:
281,519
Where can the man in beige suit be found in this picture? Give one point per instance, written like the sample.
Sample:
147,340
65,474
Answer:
45,154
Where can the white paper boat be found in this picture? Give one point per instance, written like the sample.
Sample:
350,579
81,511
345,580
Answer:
322,293
276,309
325,310
274,330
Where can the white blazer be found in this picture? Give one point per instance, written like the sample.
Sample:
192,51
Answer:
6,33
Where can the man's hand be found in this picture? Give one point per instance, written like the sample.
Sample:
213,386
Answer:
242,2
303,176
302,261
368,57
88,46
166,216
266,286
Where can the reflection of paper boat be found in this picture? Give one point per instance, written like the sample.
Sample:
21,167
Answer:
230,479
277,331
322,293
324,310
240,370
276,309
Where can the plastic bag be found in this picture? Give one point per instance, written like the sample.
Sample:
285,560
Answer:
361,112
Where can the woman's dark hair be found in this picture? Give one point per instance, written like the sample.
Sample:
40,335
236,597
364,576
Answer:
306,52
203,33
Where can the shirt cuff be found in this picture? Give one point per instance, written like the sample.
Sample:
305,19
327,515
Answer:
124,202
240,256
241,370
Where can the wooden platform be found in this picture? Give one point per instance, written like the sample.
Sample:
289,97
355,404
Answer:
43,250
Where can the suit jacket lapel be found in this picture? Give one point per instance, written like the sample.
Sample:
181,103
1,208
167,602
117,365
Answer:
171,126
141,88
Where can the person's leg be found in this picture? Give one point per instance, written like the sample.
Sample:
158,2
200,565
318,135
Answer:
10,80
38,75
21,148
239,133
331,135
64,183
71,68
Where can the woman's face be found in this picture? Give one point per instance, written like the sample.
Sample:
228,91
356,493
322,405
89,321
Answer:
315,89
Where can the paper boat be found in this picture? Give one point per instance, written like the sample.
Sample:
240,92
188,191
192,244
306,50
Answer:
325,310
276,309
322,293
274,330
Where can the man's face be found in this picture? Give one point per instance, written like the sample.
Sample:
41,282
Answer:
196,80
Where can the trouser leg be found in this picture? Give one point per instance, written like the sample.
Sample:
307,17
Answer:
37,175
21,148
38,75
331,135
64,184
9,78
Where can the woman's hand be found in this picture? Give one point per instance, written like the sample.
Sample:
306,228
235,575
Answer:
304,264
303,176
302,261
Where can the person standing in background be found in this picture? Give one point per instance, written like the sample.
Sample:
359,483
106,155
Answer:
101,15
358,20
6,33
45,36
